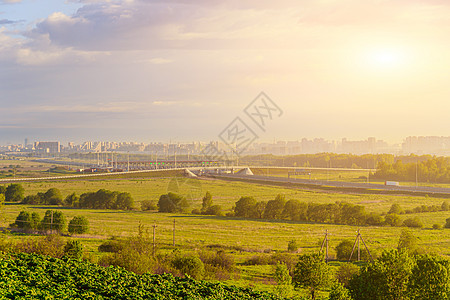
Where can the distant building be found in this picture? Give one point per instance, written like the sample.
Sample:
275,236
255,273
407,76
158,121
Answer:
439,145
47,147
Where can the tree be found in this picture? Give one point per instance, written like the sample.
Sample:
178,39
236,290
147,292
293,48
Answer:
53,220
283,279
35,220
32,199
384,279
245,207
312,272
206,202
395,209
53,196
274,208
2,189
430,278
23,220
124,201
392,220
346,272
445,206
295,210
72,200
172,203
78,225
14,193
407,241
2,200
339,292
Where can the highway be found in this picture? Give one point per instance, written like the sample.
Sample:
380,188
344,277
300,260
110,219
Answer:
339,184
318,183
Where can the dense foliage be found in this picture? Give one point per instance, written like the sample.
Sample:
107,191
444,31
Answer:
39,277
105,199
172,203
295,210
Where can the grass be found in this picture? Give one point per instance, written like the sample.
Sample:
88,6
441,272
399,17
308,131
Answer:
243,237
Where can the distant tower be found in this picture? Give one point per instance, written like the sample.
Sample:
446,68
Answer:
26,142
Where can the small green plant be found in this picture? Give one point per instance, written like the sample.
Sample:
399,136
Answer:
292,246
73,249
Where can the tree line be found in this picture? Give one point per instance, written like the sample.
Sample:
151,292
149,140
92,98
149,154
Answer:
435,169
101,199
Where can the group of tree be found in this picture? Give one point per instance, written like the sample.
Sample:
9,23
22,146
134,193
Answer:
434,169
208,208
295,210
52,196
397,209
53,220
102,199
395,275
327,160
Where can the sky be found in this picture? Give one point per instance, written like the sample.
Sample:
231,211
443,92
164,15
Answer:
183,70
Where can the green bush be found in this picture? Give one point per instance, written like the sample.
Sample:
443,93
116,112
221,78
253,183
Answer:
23,220
112,245
78,225
413,223
14,193
190,265
148,205
292,246
73,249
344,249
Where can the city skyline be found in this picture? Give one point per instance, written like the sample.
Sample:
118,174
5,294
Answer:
183,70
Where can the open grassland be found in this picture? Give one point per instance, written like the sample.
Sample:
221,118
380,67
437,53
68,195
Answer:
226,193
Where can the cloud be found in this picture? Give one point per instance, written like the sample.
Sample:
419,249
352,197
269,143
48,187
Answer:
9,1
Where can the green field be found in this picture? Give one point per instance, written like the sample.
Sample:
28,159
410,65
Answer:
241,237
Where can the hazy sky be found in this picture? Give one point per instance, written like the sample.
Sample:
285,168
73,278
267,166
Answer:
148,70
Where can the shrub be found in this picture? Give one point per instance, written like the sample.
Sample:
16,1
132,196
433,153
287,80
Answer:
32,199
215,210
73,249
284,280
447,223
437,226
346,272
407,241
53,197
374,219
413,223
148,205
53,220
218,259
190,265
35,220
292,246
51,245
259,260
445,206
112,245
72,200
78,225
339,292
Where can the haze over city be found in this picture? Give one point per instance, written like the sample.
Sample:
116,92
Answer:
183,70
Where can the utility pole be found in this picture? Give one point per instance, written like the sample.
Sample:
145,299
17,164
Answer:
128,162
154,239
325,243
357,243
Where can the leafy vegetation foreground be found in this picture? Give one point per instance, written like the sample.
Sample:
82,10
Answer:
31,276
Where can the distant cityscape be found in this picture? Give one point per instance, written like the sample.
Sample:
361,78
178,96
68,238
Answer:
434,145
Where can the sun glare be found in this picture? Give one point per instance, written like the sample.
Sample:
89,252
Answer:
386,58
